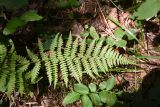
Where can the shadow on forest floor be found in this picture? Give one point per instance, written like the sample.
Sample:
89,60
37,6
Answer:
148,94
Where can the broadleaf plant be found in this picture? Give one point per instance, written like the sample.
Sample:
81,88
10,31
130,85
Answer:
98,97
17,22
148,9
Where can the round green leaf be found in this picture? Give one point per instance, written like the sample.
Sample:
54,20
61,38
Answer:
92,87
71,97
110,83
31,16
119,33
111,99
80,88
95,98
86,102
102,85
121,43
103,95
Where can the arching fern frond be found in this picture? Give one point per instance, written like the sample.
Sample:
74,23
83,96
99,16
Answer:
47,63
3,76
67,50
37,65
12,74
62,61
13,68
76,60
3,52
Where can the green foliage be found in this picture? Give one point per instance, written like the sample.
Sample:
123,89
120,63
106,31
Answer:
9,61
72,60
71,97
86,102
18,22
12,26
92,87
80,88
94,97
129,33
90,32
108,85
13,68
148,9
33,74
30,15
77,60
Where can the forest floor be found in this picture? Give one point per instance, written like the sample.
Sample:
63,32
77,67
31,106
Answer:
141,82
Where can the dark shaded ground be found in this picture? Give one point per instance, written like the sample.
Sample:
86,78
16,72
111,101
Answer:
148,94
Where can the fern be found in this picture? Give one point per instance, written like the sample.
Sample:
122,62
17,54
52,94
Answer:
3,76
54,65
12,69
62,59
3,52
12,75
46,60
37,63
77,59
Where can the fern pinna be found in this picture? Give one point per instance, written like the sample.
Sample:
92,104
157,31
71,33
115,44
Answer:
75,59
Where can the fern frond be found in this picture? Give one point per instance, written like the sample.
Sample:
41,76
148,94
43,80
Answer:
98,48
93,66
74,48
105,65
67,50
37,65
54,65
90,49
72,68
82,47
78,64
3,76
107,56
49,71
19,74
54,42
20,82
63,65
87,67
11,83
99,64
46,61
103,52
3,52
75,59
41,50
12,74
